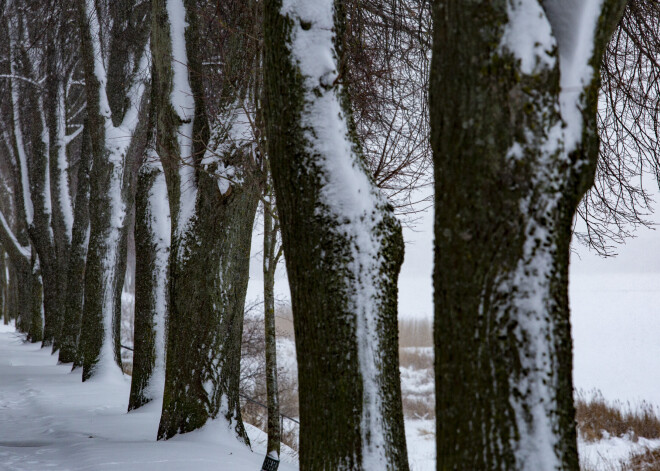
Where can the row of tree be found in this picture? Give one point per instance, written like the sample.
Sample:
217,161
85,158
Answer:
166,117
148,116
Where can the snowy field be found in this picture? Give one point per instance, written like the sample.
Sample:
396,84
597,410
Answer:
616,327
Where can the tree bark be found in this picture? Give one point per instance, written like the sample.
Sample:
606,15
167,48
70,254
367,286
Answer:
73,307
36,332
152,248
509,174
211,234
269,266
342,243
32,148
4,288
60,197
114,149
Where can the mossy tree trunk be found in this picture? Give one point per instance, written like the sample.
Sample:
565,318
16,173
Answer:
12,299
115,143
36,332
27,281
62,216
212,218
514,152
342,243
4,288
31,144
75,273
152,247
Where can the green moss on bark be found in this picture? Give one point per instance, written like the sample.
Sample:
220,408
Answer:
496,214
318,260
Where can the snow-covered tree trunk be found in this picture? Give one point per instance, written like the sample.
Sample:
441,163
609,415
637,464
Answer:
27,279
75,274
152,249
60,196
212,218
36,303
112,127
342,243
32,150
513,112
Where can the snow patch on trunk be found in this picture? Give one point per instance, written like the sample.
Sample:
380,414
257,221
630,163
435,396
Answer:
347,196
116,144
574,24
64,195
529,35
24,251
183,104
18,132
161,231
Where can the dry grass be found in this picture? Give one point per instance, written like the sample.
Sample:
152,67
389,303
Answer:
284,321
253,374
415,407
647,461
595,416
416,361
415,358
415,333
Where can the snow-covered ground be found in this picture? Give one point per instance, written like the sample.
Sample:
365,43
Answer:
50,420
612,452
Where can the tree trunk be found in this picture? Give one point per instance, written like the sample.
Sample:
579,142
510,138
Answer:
36,332
4,288
211,234
269,266
114,149
78,256
514,153
342,243
61,204
32,150
152,248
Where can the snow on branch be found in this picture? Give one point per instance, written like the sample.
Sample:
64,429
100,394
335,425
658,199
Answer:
18,133
25,79
70,137
8,234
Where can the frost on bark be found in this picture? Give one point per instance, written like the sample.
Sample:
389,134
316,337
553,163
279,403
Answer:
75,274
342,243
513,113
115,143
213,198
152,246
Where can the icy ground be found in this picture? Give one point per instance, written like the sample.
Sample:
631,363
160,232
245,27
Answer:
50,420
